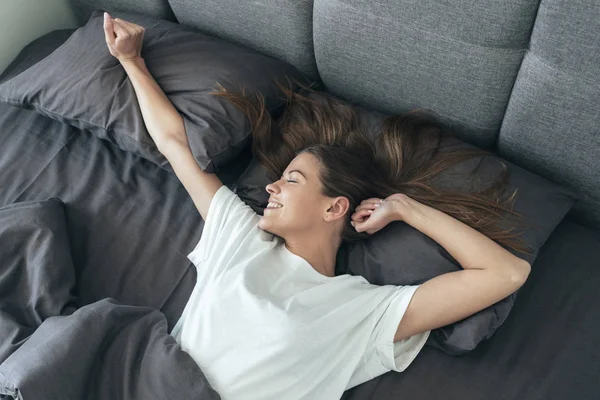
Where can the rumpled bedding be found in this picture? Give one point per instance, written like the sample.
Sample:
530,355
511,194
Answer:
50,349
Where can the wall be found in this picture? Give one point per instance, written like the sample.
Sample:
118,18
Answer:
21,21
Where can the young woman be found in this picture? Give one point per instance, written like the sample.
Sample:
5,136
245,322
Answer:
268,318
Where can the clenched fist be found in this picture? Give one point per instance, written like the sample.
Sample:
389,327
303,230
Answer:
124,39
374,214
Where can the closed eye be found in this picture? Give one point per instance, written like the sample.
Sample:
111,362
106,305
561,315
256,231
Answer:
288,180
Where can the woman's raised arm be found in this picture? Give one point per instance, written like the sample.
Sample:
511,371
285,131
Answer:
162,120
490,273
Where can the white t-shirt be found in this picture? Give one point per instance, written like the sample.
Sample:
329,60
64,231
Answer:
262,323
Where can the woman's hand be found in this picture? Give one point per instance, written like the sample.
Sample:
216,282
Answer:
124,39
374,214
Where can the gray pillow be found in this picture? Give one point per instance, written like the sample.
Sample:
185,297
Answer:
35,52
81,84
401,255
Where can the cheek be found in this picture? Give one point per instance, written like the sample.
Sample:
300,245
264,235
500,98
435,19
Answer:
302,213
291,217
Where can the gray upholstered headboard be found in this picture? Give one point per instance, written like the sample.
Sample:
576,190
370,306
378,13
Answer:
157,8
279,28
519,76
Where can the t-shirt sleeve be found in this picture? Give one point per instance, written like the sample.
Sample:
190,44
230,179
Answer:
383,354
228,220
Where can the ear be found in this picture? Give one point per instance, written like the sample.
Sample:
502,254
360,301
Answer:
338,209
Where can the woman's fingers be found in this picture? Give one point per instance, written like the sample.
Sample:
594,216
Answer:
130,26
362,213
359,226
109,32
371,201
120,29
367,206
125,26
359,216
135,27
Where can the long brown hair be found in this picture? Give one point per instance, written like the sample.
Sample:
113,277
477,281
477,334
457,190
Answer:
406,156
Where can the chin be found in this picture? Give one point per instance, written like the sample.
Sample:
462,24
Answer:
263,224
266,226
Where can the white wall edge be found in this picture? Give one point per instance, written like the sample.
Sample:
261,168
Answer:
22,21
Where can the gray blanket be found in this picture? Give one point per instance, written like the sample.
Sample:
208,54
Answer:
49,349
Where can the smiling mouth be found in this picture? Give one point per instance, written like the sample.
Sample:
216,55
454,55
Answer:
273,206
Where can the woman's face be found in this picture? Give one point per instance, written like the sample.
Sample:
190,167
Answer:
296,202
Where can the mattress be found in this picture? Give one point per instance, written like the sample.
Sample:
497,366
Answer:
132,225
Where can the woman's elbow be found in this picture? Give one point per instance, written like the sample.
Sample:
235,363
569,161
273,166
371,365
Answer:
520,272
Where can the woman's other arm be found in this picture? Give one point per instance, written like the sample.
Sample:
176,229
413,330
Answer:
490,272
162,120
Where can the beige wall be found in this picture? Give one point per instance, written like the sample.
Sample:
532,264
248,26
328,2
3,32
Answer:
21,21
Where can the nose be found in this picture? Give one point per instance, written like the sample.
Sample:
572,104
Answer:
273,188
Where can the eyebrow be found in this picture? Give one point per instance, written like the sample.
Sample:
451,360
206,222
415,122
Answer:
298,171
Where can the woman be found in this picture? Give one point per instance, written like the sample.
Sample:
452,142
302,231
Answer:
268,318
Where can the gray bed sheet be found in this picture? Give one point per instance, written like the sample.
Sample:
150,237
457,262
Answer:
131,223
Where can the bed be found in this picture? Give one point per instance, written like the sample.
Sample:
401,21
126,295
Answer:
129,225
